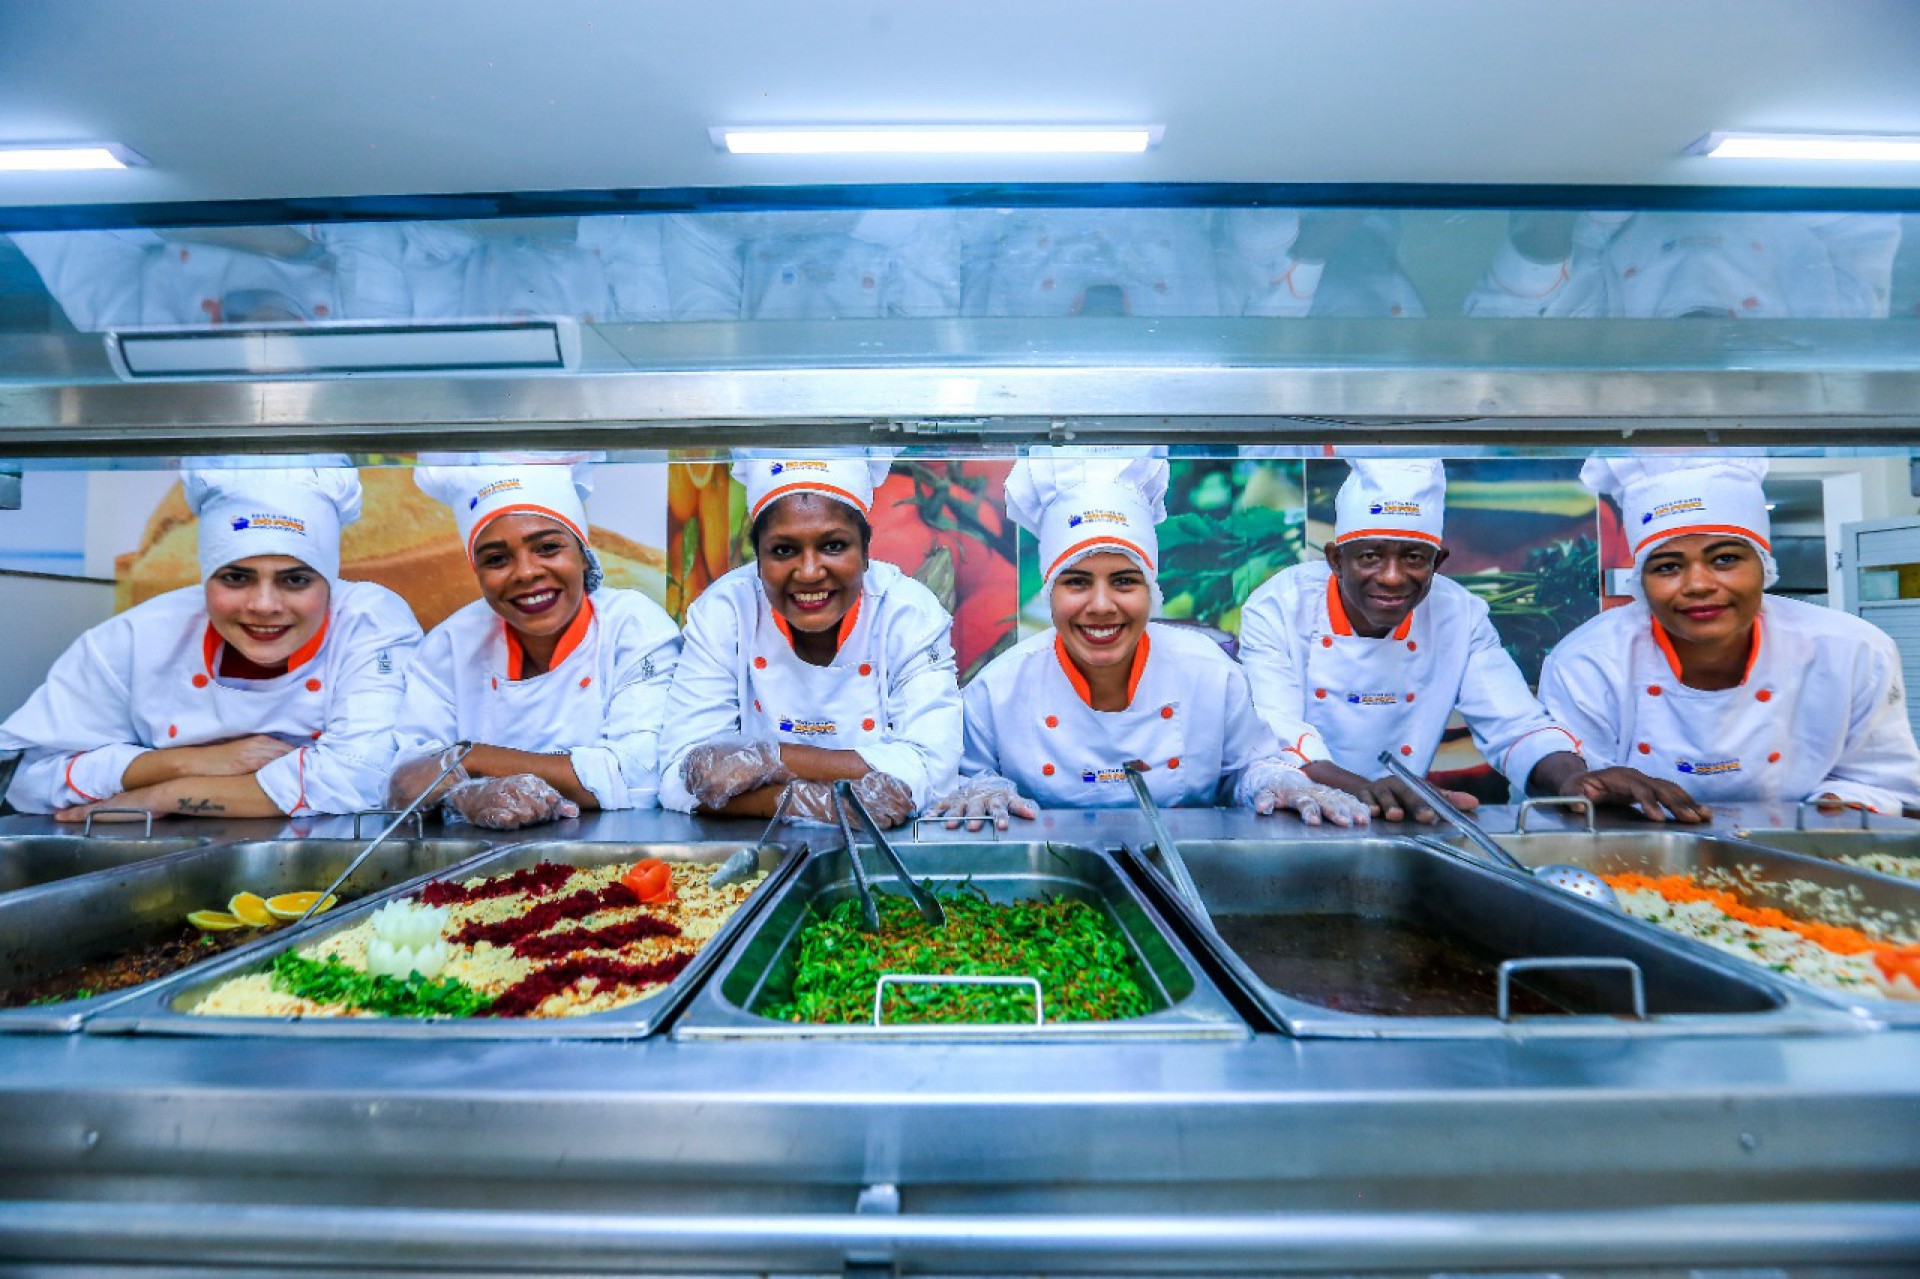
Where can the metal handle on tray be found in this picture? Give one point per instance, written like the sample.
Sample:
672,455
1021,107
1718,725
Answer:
1800,812
86,829
992,829
933,979
1512,966
419,819
1555,801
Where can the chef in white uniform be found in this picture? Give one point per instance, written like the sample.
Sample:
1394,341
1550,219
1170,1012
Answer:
559,681
813,664
1710,682
1372,651
1057,718
270,689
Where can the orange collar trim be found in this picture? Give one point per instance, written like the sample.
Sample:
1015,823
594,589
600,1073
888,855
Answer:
211,642
1665,642
570,639
1337,613
522,508
840,636
1079,681
808,486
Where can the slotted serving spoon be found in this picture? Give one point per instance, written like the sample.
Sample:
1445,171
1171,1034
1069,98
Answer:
1570,879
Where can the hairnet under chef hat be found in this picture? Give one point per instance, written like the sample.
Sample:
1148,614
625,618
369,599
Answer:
1078,501
1661,498
1400,498
293,511
845,476
482,490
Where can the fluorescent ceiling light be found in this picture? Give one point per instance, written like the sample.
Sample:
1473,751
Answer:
16,158
939,140
1895,148
537,344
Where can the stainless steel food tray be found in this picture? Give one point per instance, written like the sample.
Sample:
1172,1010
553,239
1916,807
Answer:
28,861
76,921
1831,845
1686,993
1190,1005
162,1008
1762,870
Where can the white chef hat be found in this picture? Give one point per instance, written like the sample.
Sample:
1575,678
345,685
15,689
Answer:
1400,498
1661,498
1081,500
848,476
295,511
481,491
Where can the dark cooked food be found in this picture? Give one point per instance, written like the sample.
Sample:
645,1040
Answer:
147,963
1082,961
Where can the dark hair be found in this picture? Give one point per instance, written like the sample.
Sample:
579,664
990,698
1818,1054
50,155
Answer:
766,514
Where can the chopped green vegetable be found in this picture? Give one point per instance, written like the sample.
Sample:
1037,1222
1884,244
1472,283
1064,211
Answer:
1085,968
329,981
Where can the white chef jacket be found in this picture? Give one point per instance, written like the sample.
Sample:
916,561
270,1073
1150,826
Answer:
1189,718
1821,709
889,692
125,279
1050,262
1752,265
812,264
1328,693
149,678
600,703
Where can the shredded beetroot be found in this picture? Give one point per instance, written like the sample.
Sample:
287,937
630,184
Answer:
542,878
541,916
526,995
612,937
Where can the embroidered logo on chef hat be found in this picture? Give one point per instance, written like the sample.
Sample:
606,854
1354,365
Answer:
781,468
269,523
508,485
1694,768
1098,515
1409,509
1667,510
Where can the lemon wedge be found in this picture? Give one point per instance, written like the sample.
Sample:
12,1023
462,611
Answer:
214,921
251,910
294,905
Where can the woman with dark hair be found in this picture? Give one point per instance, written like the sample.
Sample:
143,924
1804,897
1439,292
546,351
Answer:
813,664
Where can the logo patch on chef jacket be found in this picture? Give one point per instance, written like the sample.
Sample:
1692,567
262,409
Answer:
1096,516
383,662
1685,506
1373,699
1095,776
1395,508
278,523
1700,769
498,486
808,727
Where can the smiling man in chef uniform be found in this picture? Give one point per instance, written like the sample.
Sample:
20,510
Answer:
559,681
1372,651
1058,717
270,689
813,664
1706,679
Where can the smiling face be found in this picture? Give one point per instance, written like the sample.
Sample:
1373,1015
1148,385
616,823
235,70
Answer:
1382,579
1100,608
810,551
1704,589
532,572
267,606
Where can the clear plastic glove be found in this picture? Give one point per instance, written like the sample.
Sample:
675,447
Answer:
984,797
1270,786
718,771
415,775
887,797
506,803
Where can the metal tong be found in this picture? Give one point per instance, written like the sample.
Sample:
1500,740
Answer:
1572,879
1169,851
460,750
927,904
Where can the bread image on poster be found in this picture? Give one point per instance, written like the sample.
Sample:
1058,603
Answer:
403,540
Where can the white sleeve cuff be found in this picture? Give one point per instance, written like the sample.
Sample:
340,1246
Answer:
899,760
599,771
1525,754
97,774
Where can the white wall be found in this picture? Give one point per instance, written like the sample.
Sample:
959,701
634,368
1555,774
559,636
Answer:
44,615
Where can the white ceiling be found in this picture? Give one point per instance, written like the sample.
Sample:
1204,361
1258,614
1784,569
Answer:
251,99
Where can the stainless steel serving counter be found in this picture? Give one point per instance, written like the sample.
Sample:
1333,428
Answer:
1792,1152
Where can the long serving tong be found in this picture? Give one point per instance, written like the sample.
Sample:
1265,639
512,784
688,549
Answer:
460,750
1169,851
927,904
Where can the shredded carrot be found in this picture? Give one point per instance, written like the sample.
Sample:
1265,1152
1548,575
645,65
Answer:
1890,959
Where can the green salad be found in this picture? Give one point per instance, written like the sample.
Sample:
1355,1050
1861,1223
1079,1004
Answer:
1080,958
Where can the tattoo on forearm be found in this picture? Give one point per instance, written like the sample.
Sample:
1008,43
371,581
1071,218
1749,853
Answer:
201,807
